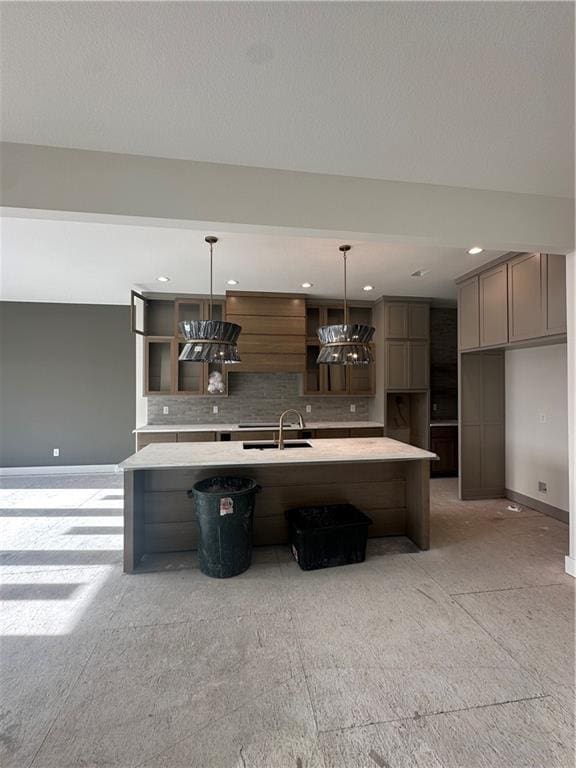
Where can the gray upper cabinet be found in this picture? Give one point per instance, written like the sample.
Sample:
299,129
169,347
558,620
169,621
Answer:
418,365
396,320
418,321
520,299
525,297
407,320
469,314
554,293
396,362
407,365
493,289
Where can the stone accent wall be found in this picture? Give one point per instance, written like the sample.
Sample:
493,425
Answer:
255,397
444,363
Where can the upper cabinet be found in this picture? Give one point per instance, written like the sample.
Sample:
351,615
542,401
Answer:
164,374
493,286
554,293
406,320
273,337
525,297
469,314
515,301
335,380
406,345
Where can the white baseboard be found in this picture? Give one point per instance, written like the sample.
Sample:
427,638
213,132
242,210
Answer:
570,566
79,469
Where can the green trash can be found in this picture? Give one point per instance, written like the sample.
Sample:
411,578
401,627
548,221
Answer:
224,508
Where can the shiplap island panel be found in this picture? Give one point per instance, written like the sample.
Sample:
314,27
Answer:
387,479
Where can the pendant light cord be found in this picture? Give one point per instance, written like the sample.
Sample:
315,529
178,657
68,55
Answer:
344,251
211,260
345,291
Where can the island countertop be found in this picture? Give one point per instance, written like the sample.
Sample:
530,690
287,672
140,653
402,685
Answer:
232,454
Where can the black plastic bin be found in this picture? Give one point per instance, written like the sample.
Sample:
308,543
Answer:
224,508
322,537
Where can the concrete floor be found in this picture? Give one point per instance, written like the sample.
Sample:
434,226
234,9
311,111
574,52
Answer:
460,657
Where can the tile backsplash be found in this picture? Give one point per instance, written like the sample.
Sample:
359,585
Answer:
444,363
255,397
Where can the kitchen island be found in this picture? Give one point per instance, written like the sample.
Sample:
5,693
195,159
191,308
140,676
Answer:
387,479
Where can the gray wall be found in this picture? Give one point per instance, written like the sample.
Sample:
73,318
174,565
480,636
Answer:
443,363
255,397
67,381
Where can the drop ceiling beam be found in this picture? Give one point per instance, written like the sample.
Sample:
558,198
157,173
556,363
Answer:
36,178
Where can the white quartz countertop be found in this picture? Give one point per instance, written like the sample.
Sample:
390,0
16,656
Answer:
236,428
232,454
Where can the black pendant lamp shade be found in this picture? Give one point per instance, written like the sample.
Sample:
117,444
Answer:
348,343
210,341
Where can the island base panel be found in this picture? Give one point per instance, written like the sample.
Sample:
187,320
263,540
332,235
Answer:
160,516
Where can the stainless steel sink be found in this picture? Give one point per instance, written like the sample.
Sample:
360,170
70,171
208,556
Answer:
263,425
260,446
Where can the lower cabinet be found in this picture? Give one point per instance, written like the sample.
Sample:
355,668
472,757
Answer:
444,443
146,438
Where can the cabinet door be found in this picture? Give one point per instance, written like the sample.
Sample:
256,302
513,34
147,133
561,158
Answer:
525,297
361,379
418,365
186,309
159,317
336,380
418,321
396,320
196,437
147,438
469,314
189,377
314,374
493,286
446,448
158,366
554,293
396,362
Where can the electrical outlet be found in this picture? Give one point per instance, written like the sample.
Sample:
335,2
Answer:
434,406
165,410
308,409
55,451
542,487
214,409
352,408
542,418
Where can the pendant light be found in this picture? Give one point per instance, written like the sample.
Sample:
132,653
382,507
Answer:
210,341
349,343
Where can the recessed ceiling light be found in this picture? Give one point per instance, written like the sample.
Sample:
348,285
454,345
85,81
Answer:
163,279
368,288
231,282
475,250
307,285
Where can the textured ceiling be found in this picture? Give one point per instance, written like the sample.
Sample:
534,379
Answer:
474,94
85,262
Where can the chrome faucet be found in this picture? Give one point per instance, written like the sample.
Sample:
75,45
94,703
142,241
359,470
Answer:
281,426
